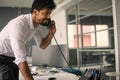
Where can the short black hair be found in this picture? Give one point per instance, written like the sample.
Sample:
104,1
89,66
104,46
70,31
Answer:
41,4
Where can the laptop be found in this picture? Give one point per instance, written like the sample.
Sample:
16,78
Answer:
51,56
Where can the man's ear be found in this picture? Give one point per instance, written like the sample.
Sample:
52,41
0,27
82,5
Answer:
35,11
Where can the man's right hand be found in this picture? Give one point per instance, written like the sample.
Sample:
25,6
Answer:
25,71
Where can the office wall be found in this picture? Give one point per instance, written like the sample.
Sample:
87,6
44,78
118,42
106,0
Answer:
8,13
60,19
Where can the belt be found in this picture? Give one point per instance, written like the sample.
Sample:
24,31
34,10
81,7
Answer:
8,59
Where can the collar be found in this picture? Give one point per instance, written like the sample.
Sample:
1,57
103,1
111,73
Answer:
31,22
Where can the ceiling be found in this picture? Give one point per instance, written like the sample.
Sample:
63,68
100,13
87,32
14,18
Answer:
59,1
93,7
21,3
85,6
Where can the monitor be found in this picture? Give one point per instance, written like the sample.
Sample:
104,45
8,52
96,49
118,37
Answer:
51,56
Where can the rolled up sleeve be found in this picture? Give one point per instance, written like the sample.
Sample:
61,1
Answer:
16,34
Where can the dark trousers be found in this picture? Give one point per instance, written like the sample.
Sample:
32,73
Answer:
8,69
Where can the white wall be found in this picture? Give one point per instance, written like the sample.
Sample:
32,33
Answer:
60,20
16,3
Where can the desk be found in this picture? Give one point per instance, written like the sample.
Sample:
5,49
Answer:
59,76
112,74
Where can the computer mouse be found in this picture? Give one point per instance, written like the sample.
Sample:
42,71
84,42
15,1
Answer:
52,78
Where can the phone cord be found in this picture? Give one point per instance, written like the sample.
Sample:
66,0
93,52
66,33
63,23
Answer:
63,54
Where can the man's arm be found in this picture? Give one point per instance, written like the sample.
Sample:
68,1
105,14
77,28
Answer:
46,41
23,67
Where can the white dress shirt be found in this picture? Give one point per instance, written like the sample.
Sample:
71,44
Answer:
14,36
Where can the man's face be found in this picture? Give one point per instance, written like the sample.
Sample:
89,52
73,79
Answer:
42,16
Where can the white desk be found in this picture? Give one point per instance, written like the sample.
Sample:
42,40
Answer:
61,75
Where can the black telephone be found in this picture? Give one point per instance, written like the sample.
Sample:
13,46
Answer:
48,24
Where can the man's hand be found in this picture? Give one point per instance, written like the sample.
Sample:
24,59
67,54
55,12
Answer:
52,28
46,41
23,67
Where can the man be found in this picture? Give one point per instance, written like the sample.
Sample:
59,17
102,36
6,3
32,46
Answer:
17,32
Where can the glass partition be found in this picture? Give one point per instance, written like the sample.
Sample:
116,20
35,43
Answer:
91,35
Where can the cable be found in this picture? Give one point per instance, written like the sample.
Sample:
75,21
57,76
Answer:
61,52
63,55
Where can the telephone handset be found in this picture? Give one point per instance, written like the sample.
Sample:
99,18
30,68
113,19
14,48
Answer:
48,24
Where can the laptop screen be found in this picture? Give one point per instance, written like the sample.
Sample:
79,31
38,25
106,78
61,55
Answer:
51,56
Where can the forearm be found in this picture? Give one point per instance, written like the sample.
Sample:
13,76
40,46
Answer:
25,71
46,41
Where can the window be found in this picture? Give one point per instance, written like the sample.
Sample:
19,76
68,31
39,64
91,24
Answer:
89,36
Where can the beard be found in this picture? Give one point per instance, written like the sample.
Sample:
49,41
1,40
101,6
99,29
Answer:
45,22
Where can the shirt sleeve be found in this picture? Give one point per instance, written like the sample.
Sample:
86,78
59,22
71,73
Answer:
38,36
16,33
